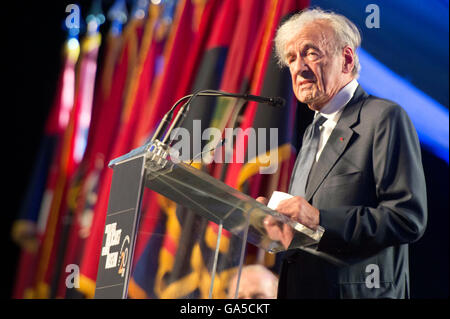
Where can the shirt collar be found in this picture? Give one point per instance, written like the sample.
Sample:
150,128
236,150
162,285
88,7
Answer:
333,108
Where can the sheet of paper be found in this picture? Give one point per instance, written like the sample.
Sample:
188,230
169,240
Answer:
276,198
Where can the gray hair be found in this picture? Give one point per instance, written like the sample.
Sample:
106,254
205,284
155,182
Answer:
346,32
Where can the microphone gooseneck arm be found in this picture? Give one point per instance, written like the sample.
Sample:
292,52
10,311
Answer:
181,115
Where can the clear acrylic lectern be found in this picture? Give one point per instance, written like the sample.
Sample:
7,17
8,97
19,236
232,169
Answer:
153,166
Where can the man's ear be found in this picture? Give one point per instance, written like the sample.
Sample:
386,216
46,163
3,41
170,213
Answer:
349,60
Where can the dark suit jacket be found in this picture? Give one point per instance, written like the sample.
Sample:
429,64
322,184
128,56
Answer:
369,187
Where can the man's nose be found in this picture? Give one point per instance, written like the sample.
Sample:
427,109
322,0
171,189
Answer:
300,66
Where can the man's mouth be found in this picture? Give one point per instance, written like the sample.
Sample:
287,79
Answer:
304,82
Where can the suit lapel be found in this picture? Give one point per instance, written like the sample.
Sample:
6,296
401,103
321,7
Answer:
337,142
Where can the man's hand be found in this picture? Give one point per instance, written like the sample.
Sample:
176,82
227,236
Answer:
276,230
298,209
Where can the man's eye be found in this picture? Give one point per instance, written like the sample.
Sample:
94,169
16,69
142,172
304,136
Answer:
312,55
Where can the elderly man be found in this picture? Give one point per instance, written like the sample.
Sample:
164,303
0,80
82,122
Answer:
358,174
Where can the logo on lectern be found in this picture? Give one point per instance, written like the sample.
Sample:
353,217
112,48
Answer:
118,258
112,239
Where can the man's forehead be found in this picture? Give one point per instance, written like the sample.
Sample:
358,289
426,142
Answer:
316,33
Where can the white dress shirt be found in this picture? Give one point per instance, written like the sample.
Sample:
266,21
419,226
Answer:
332,111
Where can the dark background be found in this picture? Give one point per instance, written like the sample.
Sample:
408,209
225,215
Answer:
32,36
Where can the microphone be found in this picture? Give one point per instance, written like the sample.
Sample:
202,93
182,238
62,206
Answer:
272,101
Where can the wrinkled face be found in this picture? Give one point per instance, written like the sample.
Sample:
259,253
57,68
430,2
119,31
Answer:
315,66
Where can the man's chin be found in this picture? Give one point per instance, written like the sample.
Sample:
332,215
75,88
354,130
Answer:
306,96
307,99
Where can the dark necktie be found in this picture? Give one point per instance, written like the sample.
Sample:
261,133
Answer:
306,157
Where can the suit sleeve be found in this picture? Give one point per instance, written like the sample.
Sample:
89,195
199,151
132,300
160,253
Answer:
401,214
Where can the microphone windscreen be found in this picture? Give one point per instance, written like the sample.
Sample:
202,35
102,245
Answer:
278,101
